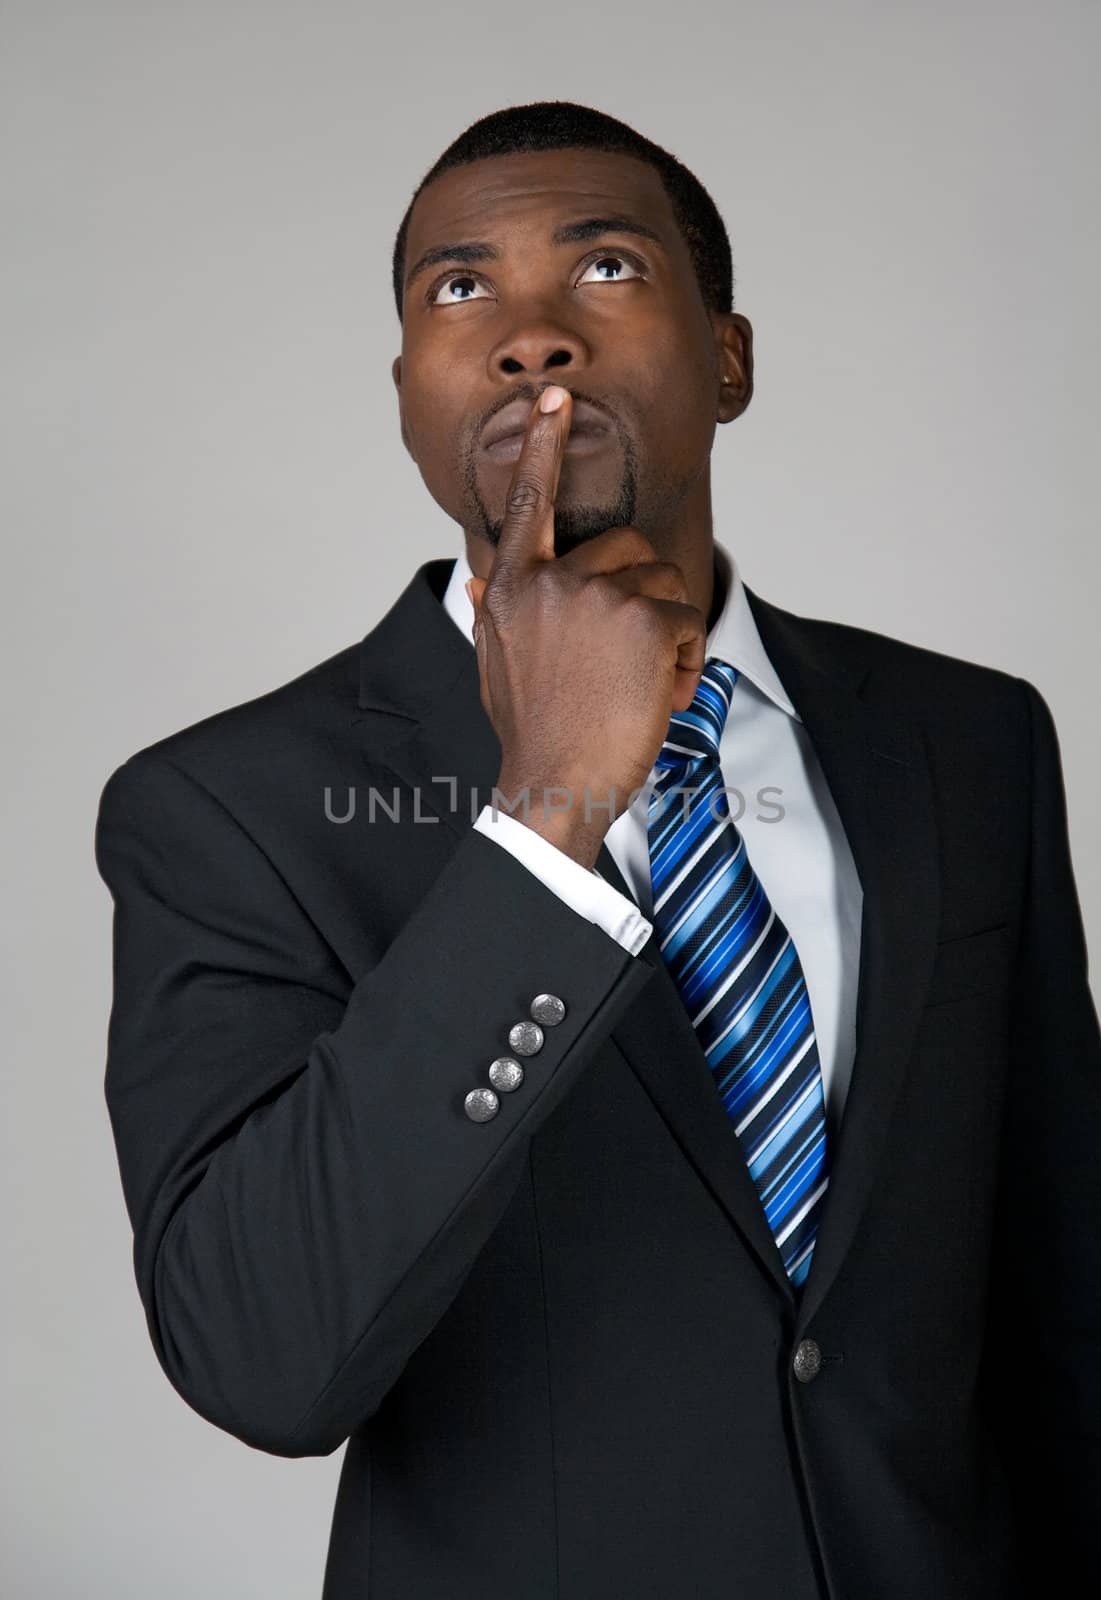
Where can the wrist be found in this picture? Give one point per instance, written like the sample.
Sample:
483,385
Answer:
580,843
564,814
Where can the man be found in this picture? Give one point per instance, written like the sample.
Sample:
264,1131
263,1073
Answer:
617,1053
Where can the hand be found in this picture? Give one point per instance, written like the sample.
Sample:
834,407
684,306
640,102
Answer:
582,658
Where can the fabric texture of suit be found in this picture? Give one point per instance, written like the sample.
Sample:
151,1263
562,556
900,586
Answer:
560,1343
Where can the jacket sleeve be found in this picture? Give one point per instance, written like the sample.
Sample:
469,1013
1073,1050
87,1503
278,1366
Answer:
1044,1339
583,889
306,1190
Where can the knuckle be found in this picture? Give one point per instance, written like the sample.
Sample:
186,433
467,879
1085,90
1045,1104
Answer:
554,593
634,546
525,495
645,617
544,583
672,579
605,591
494,603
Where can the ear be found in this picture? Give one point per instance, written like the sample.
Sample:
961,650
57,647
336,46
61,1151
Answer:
734,339
395,373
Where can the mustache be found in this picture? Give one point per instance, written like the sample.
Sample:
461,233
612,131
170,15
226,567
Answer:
531,392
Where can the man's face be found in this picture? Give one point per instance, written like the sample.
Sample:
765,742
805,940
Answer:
520,290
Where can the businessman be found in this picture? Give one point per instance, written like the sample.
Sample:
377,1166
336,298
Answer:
615,1052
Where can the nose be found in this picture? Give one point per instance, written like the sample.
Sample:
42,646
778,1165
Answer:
536,347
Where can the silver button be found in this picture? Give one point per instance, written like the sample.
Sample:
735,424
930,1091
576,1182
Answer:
547,1009
807,1360
481,1104
525,1038
506,1074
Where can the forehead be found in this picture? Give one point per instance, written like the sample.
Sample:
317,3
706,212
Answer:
537,189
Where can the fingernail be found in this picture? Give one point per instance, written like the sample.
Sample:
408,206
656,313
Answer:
552,398
466,586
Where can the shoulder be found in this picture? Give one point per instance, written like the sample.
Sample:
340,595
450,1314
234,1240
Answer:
942,691
248,746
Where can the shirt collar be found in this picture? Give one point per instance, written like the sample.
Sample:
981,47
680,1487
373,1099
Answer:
733,638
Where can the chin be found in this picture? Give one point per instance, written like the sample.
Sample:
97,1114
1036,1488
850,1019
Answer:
576,525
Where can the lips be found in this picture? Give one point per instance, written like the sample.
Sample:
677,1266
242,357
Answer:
503,434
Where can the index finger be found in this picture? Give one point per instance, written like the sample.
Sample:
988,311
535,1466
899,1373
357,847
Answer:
527,532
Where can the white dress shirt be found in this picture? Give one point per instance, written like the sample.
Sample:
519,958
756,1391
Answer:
792,832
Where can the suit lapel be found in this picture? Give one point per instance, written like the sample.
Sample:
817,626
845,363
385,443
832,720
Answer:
419,688
877,771
421,715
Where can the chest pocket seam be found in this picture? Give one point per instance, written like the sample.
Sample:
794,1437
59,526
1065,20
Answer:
969,965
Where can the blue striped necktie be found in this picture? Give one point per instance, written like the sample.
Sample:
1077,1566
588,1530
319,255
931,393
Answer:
738,973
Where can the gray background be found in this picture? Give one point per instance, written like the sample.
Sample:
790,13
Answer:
204,493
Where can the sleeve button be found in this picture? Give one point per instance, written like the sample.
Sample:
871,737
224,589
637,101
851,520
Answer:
506,1074
547,1009
525,1038
481,1104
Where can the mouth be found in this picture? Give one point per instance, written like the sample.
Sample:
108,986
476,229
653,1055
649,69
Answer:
503,436
581,442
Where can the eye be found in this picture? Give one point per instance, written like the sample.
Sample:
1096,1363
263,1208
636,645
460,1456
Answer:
621,269
464,280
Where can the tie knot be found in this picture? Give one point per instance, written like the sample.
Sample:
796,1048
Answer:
697,731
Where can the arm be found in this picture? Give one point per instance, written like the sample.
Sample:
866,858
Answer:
1044,1351
581,888
306,1190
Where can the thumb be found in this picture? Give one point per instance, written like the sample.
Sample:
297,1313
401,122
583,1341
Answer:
475,588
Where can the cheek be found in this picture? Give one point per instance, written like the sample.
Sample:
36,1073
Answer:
441,472
678,397
678,422
434,431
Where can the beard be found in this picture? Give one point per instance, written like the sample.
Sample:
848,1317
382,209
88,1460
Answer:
573,524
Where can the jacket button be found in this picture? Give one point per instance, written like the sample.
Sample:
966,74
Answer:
807,1361
506,1074
481,1104
525,1038
548,1010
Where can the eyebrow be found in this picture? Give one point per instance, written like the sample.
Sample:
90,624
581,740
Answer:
568,233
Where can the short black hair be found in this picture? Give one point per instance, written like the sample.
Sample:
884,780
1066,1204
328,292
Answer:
562,125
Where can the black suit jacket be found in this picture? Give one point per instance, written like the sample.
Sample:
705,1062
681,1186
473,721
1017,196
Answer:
560,1343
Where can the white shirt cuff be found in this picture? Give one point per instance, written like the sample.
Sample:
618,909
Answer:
582,888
